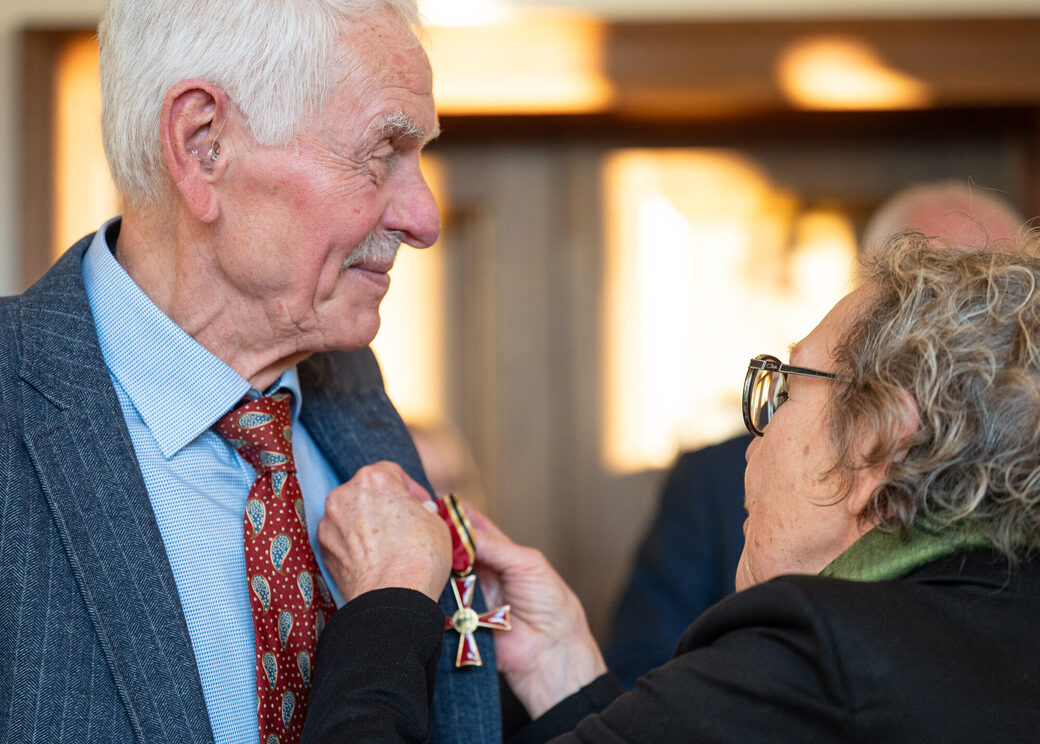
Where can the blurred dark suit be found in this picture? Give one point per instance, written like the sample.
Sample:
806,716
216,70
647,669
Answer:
687,560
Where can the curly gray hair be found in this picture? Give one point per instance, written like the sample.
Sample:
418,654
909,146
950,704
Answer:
960,332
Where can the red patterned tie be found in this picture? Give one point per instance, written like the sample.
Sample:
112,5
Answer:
288,594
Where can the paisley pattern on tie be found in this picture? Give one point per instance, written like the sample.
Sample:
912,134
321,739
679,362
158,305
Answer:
263,591
306,585
285,623
304,662
256,513
288,614
280,551
270,668
288,705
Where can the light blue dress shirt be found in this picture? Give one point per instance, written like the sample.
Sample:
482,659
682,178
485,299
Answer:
172,391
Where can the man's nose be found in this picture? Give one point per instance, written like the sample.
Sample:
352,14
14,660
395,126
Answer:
413,212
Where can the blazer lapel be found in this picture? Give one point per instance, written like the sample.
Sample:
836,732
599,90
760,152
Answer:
347,413
84,459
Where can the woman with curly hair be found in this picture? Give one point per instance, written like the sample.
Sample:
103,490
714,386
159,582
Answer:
890,587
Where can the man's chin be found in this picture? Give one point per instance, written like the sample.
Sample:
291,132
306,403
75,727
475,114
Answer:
353,330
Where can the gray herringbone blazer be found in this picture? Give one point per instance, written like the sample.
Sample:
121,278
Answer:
93,643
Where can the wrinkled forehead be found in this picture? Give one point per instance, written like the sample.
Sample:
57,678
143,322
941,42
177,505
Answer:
379,57
375,39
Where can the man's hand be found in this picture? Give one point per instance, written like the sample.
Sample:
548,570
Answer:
550,652
376,533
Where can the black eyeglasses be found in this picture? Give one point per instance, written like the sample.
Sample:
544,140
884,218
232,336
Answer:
765,389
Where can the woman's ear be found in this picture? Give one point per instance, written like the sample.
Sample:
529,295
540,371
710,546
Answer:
869,478
193,115
909,424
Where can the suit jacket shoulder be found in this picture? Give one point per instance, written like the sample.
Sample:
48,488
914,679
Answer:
97,648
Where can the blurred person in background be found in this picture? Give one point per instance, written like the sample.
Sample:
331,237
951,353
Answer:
968,216
687,559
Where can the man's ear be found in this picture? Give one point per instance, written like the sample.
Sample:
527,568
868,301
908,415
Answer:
193,114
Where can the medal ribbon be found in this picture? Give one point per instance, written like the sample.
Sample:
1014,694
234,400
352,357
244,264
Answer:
463,553
466,620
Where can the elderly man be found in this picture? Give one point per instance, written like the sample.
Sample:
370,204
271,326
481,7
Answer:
968,216
889,586
183,390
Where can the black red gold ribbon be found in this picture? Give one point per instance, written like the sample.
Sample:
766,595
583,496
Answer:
463,553
466,620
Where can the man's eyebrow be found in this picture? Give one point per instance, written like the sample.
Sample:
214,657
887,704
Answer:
398,125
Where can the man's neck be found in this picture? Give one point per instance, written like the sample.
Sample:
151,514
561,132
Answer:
175,267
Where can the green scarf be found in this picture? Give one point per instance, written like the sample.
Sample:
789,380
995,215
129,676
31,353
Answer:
882,556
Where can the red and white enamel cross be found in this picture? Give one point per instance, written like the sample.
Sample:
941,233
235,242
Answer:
466,620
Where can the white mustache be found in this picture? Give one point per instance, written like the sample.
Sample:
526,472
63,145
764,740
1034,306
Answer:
377,247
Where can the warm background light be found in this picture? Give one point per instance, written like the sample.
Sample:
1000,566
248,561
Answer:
410,343
84,194
708,264
544,62
464,12
845,73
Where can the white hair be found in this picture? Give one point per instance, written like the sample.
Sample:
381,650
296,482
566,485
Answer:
276,60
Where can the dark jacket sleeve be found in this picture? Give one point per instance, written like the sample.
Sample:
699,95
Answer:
754,665
947,654
569,712
375,668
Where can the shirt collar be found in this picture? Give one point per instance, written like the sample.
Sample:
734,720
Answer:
177,386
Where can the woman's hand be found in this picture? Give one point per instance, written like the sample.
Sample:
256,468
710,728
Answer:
377,533
550,652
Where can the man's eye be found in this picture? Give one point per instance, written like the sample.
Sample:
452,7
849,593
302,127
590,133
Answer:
381,162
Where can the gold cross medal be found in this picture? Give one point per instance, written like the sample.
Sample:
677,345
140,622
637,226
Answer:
463,582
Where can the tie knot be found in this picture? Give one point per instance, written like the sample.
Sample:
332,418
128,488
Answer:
261,431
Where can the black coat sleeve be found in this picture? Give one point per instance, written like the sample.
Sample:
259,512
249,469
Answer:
757,664
374,671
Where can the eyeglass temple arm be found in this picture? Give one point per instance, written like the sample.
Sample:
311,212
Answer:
772,366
